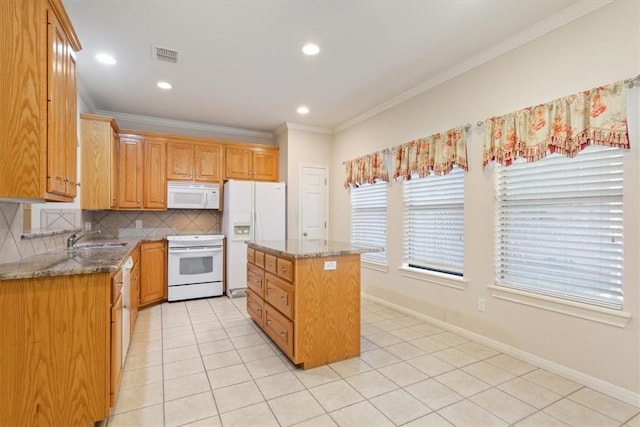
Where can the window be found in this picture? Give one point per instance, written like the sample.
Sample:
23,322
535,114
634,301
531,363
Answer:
369,219
559,226
434,222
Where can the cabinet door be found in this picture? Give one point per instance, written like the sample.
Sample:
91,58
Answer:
237,163
179,161
134,296
265,165
155,180
96,134
130,163
208,162
115,169
71,128
56,103
116,347
153,272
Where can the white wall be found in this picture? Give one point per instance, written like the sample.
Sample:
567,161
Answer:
599,48
303,148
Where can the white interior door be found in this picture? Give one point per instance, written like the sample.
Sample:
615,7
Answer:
313,202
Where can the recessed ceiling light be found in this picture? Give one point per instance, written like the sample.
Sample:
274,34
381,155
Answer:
303,110
164,85
310,49
105,58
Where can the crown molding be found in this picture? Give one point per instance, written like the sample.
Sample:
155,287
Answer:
305,128
180,124
537,30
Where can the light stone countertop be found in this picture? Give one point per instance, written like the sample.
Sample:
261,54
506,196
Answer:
78,260
298,248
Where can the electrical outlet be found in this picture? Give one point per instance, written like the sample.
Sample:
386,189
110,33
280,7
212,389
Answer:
482,307
87,225
330,265
138,223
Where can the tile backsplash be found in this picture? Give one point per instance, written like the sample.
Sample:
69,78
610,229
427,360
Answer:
12,246
162,223
112,224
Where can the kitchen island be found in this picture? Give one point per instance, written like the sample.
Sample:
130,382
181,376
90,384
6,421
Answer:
305,295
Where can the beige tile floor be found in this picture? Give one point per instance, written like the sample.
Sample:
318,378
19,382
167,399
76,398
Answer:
205,363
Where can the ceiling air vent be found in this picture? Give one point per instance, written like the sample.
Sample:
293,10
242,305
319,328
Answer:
165,55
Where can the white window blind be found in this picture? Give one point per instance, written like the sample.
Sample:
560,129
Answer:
559,226
434,222
369,219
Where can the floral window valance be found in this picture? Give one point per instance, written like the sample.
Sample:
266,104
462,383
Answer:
565,126
366,170
437,153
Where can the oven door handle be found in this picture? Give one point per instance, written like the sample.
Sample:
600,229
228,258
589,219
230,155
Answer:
193,251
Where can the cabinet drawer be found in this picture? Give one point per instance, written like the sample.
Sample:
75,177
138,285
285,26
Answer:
116,285
259,258
279,294
279,328
270,263
285,269
255,279
255,307
251,255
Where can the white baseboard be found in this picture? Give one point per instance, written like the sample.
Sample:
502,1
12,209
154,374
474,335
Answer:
597,384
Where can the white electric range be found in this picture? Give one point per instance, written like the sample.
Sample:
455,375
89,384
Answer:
195,266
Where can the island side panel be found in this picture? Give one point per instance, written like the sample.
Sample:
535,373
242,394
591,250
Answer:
327,311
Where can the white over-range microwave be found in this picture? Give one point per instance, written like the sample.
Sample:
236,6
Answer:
190,195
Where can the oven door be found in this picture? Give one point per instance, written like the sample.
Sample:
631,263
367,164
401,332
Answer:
195,265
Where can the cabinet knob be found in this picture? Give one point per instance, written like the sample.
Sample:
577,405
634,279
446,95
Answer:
283,335
78,184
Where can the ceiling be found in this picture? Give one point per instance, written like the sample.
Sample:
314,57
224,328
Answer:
240,63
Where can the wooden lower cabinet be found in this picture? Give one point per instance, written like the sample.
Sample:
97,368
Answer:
135,287
153,272
117,331
310,313
55,350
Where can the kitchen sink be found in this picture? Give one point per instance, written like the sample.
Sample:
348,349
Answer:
100,245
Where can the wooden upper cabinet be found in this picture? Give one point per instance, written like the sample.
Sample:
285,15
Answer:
253,163
130,172
208,162
99,158
38,130
189,161
179,161
155,180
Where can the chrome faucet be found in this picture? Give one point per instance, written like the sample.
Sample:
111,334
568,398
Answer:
73,239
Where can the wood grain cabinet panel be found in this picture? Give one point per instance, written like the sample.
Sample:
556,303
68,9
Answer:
56,350
117,331
208,163
38,129
154,175
279,294
312,314
99,160
180,161
255,279
255,307
153,272
251,163
130,164
194,161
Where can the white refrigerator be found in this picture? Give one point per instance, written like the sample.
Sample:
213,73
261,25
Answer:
251,211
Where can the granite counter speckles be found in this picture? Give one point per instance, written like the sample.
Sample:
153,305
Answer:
67,262
298,248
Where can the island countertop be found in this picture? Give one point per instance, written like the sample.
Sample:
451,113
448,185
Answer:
302,248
